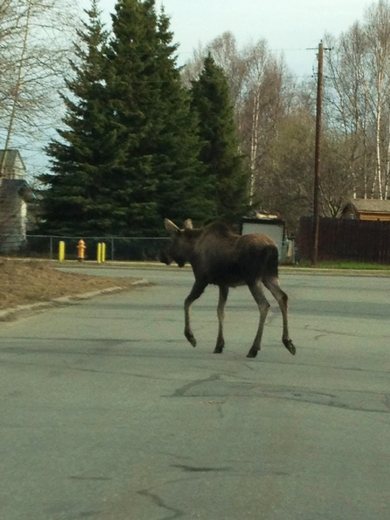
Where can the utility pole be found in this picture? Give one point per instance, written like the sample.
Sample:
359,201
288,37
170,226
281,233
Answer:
317,155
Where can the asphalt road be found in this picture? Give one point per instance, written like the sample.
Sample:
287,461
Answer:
107,413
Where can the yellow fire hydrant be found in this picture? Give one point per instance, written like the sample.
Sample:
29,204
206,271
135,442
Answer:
81,247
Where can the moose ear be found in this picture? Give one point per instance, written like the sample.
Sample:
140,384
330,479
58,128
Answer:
188,224
170,226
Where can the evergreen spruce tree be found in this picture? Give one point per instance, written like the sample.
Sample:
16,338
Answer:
183,184
131,96
160,174
129,155
219,153
73,203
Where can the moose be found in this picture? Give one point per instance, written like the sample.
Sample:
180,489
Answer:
221,257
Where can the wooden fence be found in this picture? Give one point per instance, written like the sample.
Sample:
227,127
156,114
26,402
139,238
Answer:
342,239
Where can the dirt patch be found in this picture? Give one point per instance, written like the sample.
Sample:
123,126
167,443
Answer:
25,282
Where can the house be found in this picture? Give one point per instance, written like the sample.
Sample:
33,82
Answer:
274,227
367,209
14,195
11,165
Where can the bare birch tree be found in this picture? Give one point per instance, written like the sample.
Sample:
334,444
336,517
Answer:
35,41
378,38
358,70
347,103
262,107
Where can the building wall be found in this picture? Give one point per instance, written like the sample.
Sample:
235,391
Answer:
13,166
276,232
273,228
13,211
374,217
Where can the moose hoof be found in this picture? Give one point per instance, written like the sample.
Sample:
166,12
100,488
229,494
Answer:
289,346
252,353
218,349
191,338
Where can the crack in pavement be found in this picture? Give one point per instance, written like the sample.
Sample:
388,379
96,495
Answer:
353,400
201,469
182,391
158,501
327,332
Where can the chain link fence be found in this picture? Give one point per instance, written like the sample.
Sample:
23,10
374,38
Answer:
117,248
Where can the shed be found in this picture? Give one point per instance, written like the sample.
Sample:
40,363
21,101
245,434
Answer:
367,209
14,195
273,227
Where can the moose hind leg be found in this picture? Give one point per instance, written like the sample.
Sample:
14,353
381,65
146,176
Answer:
223,294
263,305
281,297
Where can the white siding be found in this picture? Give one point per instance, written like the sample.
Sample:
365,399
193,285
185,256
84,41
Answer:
275,231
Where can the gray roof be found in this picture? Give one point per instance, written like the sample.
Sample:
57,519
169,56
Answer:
369,205
10,158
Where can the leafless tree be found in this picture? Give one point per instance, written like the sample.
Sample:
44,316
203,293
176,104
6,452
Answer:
358,71
378,39
256,78
262,106
35,41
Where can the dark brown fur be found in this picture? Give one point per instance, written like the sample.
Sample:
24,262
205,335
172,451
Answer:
219,256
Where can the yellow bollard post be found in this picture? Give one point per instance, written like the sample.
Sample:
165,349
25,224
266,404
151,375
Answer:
99,253
61,251
103,252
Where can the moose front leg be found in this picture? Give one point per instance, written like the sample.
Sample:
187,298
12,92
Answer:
223,294
196,291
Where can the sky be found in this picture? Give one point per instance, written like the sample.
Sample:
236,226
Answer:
292,28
